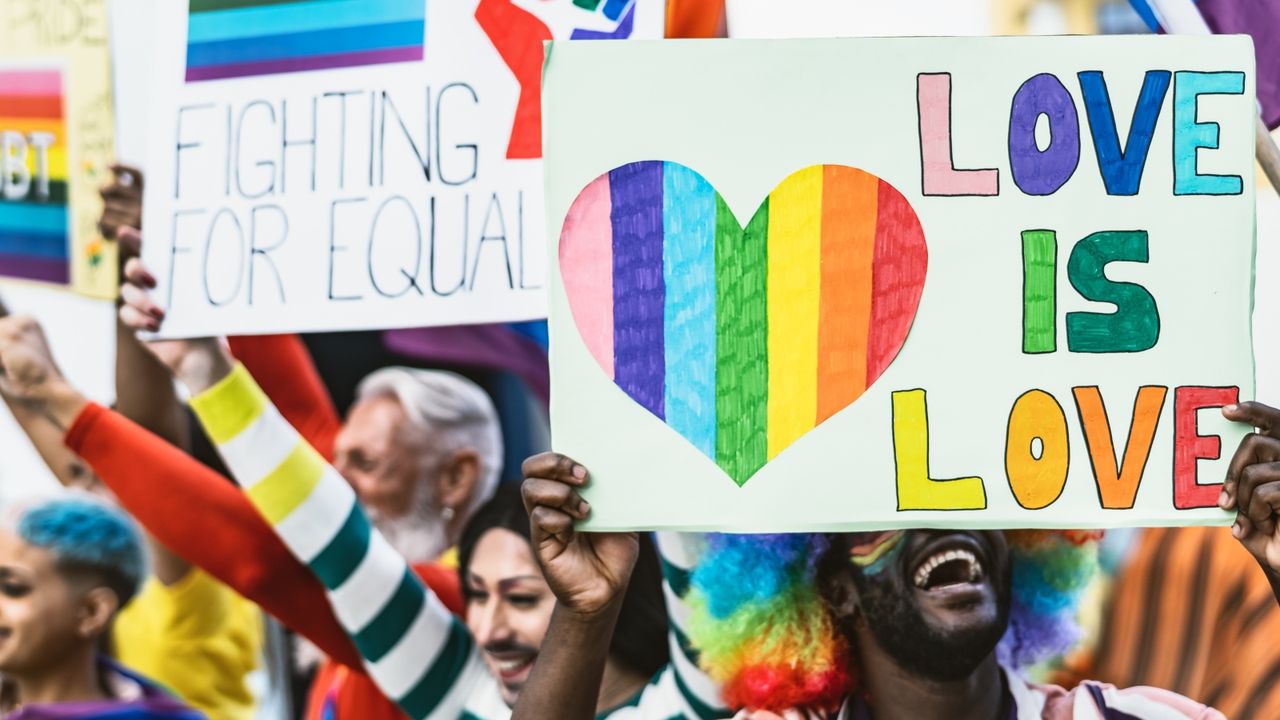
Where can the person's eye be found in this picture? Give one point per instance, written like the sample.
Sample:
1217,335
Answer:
14,590
475,596
524,601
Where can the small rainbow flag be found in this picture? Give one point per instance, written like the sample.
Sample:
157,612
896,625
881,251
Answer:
34,222
742,339
241,38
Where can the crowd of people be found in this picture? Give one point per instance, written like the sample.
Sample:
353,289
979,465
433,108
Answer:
423,586
223,495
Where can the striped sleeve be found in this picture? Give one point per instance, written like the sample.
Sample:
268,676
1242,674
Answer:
681,690
414,649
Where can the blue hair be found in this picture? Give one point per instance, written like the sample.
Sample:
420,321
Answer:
88,537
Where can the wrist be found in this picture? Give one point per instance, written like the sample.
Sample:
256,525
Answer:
596,616
62,403
207,363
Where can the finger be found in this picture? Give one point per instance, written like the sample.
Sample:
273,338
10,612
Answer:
554,494
140,300
138,320
1253,449
545,522
1250,479
130,241
127,175
1263,417
136,273
1262,506
555,466
1242,527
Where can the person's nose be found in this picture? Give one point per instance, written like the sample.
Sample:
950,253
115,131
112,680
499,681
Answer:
493,625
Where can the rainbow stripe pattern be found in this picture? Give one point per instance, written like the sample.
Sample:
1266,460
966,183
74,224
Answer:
742,339
242,38
34,218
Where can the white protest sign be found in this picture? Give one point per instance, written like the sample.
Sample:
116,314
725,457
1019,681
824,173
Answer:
354,163
877,283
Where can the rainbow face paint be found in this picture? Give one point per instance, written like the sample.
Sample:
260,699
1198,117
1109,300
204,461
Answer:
872,552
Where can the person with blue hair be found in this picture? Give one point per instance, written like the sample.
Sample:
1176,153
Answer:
66,567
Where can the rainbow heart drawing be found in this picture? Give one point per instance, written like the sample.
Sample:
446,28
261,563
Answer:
742,339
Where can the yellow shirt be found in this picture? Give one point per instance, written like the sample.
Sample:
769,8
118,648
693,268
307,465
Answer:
198,638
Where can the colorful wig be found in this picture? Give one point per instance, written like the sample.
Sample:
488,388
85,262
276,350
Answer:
763,630
87,537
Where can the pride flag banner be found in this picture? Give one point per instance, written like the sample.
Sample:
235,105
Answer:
243,38
880,283
319,165
34,217
57,112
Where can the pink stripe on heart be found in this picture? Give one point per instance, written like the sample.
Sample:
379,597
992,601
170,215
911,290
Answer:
587,269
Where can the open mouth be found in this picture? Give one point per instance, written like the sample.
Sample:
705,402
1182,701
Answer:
513,667
953,560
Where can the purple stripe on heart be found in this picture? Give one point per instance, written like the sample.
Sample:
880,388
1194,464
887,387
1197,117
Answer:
639,291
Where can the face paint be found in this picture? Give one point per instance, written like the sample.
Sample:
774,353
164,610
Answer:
873,552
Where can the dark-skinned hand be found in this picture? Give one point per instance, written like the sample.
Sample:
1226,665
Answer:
1252,487
586,571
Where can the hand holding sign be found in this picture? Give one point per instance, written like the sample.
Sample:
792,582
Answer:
1252,487
587,571
197,362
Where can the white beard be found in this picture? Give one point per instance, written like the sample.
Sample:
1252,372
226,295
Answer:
420,536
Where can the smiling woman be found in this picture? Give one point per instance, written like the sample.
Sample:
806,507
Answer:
509,604
66,567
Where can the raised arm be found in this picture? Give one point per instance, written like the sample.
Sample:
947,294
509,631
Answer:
184,504
286,372
416,651
145,394
589,574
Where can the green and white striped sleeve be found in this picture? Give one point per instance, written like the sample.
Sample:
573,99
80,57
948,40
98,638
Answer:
681,691
414,649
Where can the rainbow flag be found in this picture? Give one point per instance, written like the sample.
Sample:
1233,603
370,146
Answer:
34,221
242,38
742,339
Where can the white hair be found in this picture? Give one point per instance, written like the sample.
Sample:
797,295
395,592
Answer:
452,410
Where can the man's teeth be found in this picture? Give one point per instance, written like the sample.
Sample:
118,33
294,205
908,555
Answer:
927,568
510,665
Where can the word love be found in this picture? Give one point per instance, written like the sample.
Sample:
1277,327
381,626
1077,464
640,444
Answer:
1042,171
16,176
1038,457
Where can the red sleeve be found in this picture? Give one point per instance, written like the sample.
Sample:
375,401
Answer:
207,521
444,582
285,372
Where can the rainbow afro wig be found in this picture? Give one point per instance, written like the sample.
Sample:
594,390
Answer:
762,628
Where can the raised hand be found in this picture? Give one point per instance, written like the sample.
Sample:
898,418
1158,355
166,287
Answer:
121,201
29,374
199,362
1252,487
588,572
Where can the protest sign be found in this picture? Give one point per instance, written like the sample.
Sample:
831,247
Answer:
343,164
55,117
877,283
